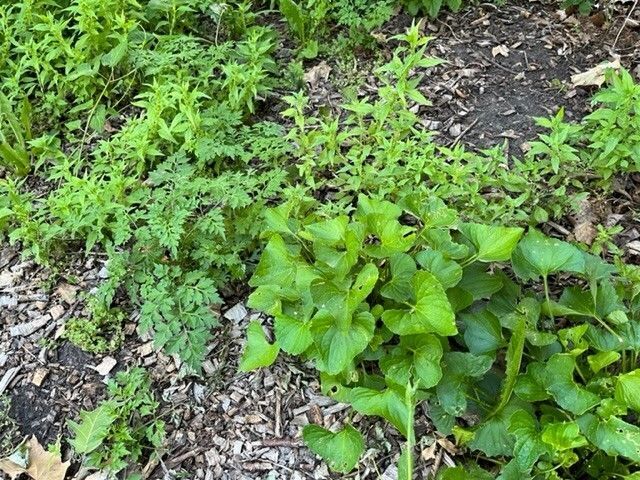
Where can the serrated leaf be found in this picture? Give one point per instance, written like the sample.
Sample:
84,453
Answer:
93,428
513,360
492,243
340,450
429,312
258,352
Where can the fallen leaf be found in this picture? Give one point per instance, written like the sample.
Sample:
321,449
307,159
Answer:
67,293
16,463
317,74
45,465
595,75
500,50
105,366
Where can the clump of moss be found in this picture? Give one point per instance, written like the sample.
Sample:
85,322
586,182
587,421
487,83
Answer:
101,333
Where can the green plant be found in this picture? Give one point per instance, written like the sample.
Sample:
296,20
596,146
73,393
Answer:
101,333
14,153
123,429
431,7
397,305
305,19
613,129
583,6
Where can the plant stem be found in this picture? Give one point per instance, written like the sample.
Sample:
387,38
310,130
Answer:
546,295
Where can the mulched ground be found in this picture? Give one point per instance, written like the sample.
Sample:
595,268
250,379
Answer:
231,425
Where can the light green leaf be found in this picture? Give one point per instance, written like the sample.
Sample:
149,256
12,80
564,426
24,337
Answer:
337,347
340,450
448,272
292,335
600,360
563,436
257,352
528,447
341,299
492,243
295,17
538,255
478,282
419,354
388,404
402,269
93,428
614,436
559,382
429,312
628,389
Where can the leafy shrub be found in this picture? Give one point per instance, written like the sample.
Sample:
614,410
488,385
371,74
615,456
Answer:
121,428
606,141
431,7
402,304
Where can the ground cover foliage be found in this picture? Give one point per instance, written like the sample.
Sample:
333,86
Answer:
409,273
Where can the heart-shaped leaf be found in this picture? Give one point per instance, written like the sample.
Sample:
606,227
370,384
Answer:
258,352
492,243
340,450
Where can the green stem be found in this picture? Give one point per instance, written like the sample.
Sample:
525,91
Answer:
546,295
409,402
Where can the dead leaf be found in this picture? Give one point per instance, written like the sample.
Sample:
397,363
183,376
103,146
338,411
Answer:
105,366
45,465
16,463
595,75
500,50
585,232
67,293
316,75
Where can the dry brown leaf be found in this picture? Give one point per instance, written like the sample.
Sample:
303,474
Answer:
45,465
500,50
316,75
10,468
595,75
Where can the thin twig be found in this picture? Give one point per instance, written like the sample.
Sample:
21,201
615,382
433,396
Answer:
464,132
624,24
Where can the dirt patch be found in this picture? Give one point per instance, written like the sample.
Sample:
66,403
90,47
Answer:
506,66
